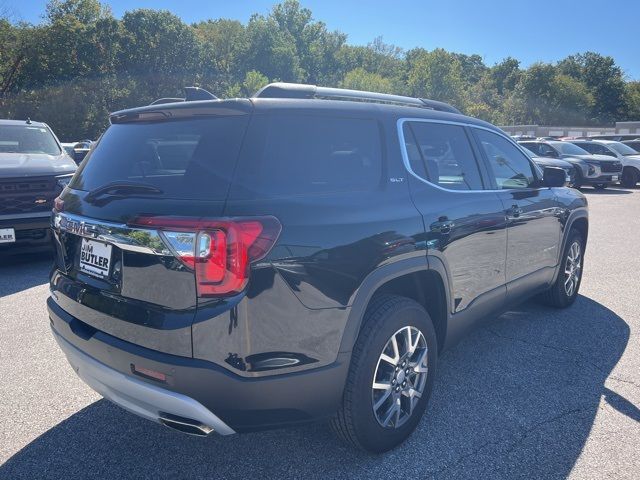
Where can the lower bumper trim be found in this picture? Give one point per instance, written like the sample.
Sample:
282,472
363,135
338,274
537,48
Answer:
143,399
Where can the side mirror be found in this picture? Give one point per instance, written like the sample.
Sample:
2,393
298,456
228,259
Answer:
554,177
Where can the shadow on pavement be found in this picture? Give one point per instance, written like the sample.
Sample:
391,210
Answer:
607,191
515,399
20,272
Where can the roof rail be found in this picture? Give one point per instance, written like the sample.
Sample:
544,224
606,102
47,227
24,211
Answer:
191,94
299,90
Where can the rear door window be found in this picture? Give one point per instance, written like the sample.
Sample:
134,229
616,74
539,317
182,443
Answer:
511,168
296,154
192,158
442,155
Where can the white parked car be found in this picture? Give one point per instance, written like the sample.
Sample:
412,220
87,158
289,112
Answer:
629,157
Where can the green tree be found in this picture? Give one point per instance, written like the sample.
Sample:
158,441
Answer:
605,82
505,75
632,96
253,82
360,79
436,74
224,45
84,11
544,96
288,45
80,63
472,68
159,51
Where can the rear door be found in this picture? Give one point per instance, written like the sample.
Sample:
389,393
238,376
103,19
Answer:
533,213
115,272
465,222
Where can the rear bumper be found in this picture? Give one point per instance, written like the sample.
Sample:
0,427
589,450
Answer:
143,399
195,389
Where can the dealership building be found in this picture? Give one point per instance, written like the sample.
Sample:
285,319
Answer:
621,128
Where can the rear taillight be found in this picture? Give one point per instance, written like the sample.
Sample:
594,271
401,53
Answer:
220,252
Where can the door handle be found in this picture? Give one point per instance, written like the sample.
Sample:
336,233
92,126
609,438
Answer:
515,211
443,226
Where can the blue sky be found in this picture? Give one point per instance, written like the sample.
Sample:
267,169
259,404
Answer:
534,30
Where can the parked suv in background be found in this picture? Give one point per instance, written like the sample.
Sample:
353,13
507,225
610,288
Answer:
635,144
543,162
229,265
33,171
78,150
594,170
627,156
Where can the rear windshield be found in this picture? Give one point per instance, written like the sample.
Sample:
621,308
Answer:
27,139
192,158
297,154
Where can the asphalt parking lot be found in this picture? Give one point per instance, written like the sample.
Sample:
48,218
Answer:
535,393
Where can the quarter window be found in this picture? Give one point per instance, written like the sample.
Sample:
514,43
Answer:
295,154
442,154
509,166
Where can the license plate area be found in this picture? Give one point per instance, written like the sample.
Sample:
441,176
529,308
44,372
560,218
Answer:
7,235
95,258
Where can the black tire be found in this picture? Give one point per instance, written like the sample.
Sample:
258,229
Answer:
600,186
557,296
355,422
630,176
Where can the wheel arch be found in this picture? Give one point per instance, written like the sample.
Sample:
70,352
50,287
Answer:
421,279
579,219
582,225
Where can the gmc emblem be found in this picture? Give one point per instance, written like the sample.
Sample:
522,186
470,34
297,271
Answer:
80,228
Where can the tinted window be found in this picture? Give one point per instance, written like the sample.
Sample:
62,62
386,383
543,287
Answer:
184,158
441,154
567,148
291,154
595,149
532,147
635,145
511,167
547,151
27,139
622,149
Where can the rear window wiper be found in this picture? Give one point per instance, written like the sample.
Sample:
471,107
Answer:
120,187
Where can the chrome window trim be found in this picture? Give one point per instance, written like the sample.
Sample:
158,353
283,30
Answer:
120,235
407,164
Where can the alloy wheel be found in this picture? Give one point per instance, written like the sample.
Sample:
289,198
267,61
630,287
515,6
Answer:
400,377
572,269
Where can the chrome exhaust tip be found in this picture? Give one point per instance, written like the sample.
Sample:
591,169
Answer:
185,425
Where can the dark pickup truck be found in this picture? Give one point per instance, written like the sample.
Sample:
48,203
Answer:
34,169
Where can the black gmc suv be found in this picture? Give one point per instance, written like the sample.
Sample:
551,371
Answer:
33,171
231,265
